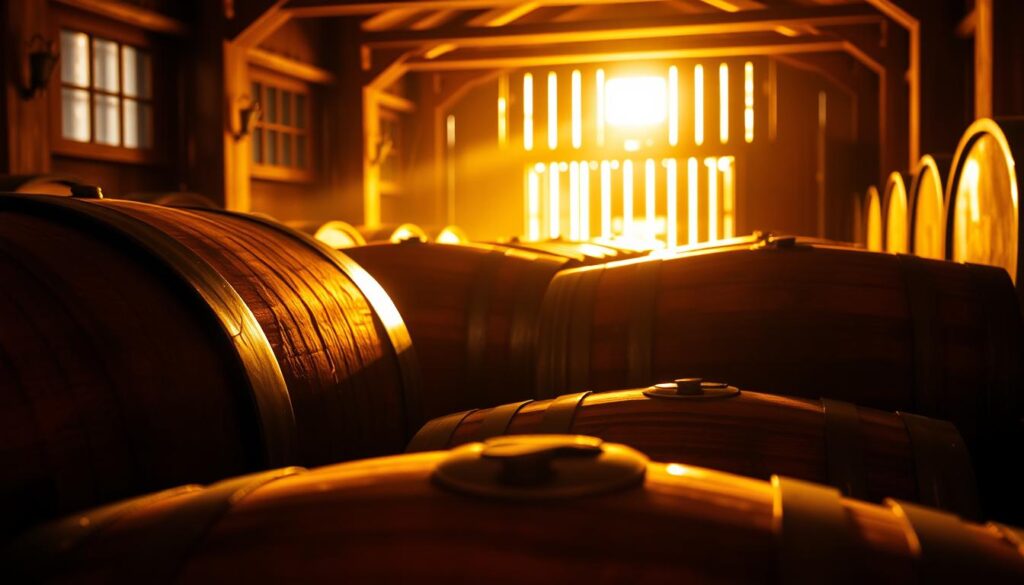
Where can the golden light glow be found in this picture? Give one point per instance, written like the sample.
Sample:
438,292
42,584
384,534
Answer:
712,164
671,203
896,219
727,166
635,101
985,220
928,218
577,111
748,102
874,221
673,106
554,194
627,197
600,107
574,201
438,50
676,469
552,110
533,204
723,103
606,199
503,110
408,231
338,235
450,131
693,221
528,111
584,201
698,104
649,201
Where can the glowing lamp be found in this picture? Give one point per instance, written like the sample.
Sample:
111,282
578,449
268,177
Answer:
635,101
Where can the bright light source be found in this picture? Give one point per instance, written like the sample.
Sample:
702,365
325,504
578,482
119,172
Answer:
577,115
528,111
635,101
698,104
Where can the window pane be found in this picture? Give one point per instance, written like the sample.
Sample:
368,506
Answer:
257,145
106,119
300,151
272,147
286,150
138,124
286,108
105,65
300,111
75,114
271,110
74,59
138,78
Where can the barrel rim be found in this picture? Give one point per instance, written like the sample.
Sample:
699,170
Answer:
997,128
260,368
900,179
939,164
397,333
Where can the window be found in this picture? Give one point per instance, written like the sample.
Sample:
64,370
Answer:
281,147
106,95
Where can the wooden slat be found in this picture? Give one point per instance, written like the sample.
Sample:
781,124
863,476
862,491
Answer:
318,8
290,67
132,15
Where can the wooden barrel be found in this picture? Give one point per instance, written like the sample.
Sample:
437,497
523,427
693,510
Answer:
339,235
982,196
176,199
857,233
472,313
540,509
927,211
577,253
38,184
894,332
144,346
393,233
449,234
867,454
874,235
897,218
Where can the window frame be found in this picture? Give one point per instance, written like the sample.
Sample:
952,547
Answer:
292,174
122,35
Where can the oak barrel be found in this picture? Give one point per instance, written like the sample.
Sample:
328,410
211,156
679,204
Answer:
982,196
894,332
44,184
874,235
339,235
539,509
145,346
897,219
866,453
927,207
393,233
577,253
472,313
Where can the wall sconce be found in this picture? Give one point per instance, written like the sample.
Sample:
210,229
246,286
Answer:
247,117
42,58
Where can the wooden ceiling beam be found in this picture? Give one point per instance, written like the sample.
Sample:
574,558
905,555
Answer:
318,8
503,15
562,32
388,19
616,51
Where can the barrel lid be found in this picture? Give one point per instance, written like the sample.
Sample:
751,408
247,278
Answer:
541,467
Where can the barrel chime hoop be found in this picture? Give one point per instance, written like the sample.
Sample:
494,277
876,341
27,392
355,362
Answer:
944,549
945,477
922,305
496,421
812,531
560,413
397,334
844,452
267,385
477,306
436,434
641,307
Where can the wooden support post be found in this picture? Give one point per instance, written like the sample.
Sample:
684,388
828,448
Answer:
25,147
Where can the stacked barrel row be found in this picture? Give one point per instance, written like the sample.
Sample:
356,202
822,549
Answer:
157,346
962,207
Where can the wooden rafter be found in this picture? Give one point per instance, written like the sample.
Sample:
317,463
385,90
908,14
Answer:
615,51
503,15
702,24
318,8
389,18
